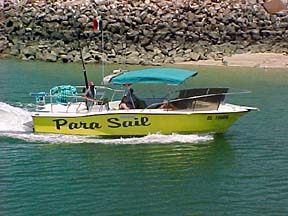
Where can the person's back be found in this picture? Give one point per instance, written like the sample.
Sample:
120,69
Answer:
132,100
89,95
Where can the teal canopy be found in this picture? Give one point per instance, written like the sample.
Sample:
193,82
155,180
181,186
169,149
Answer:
172,76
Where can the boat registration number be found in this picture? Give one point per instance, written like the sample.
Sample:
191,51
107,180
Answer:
218,117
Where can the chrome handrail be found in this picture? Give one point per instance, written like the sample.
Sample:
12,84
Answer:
197,97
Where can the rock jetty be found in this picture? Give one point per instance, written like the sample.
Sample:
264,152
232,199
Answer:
139,32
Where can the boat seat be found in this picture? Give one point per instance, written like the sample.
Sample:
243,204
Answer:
114,105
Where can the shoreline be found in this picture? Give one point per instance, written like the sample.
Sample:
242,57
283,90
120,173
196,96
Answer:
254,60
250,60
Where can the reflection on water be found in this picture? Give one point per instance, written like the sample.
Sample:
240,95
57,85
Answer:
167,157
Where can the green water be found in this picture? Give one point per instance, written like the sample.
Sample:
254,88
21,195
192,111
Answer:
242,172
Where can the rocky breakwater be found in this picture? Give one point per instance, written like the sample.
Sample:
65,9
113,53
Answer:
139,32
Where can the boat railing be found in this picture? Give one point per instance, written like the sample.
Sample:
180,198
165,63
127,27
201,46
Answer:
74,101
202,102
189,99
44,99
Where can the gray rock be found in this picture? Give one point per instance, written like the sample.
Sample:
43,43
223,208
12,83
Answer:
3,43
64,58
50,57
29,51
179,59
194,56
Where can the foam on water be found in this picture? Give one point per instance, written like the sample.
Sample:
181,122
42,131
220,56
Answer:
14,119
17,123
74,139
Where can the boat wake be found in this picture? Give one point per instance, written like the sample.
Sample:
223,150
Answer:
72,139
14,119
17,123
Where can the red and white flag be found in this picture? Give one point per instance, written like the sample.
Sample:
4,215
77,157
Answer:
97,24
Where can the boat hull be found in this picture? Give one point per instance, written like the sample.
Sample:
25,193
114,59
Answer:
135,123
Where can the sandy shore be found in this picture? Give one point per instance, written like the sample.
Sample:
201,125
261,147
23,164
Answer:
261,60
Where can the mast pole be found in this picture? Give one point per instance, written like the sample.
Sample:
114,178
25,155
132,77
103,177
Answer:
102,39
83,65
78,37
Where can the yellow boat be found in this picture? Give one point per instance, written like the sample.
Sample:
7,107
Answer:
198,110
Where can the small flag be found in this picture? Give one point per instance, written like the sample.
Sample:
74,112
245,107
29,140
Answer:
97,24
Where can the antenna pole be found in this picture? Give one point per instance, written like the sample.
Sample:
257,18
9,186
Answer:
83,64
102,41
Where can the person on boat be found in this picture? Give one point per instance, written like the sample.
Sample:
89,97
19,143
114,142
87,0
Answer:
133,102
90,95
167,105
123,103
